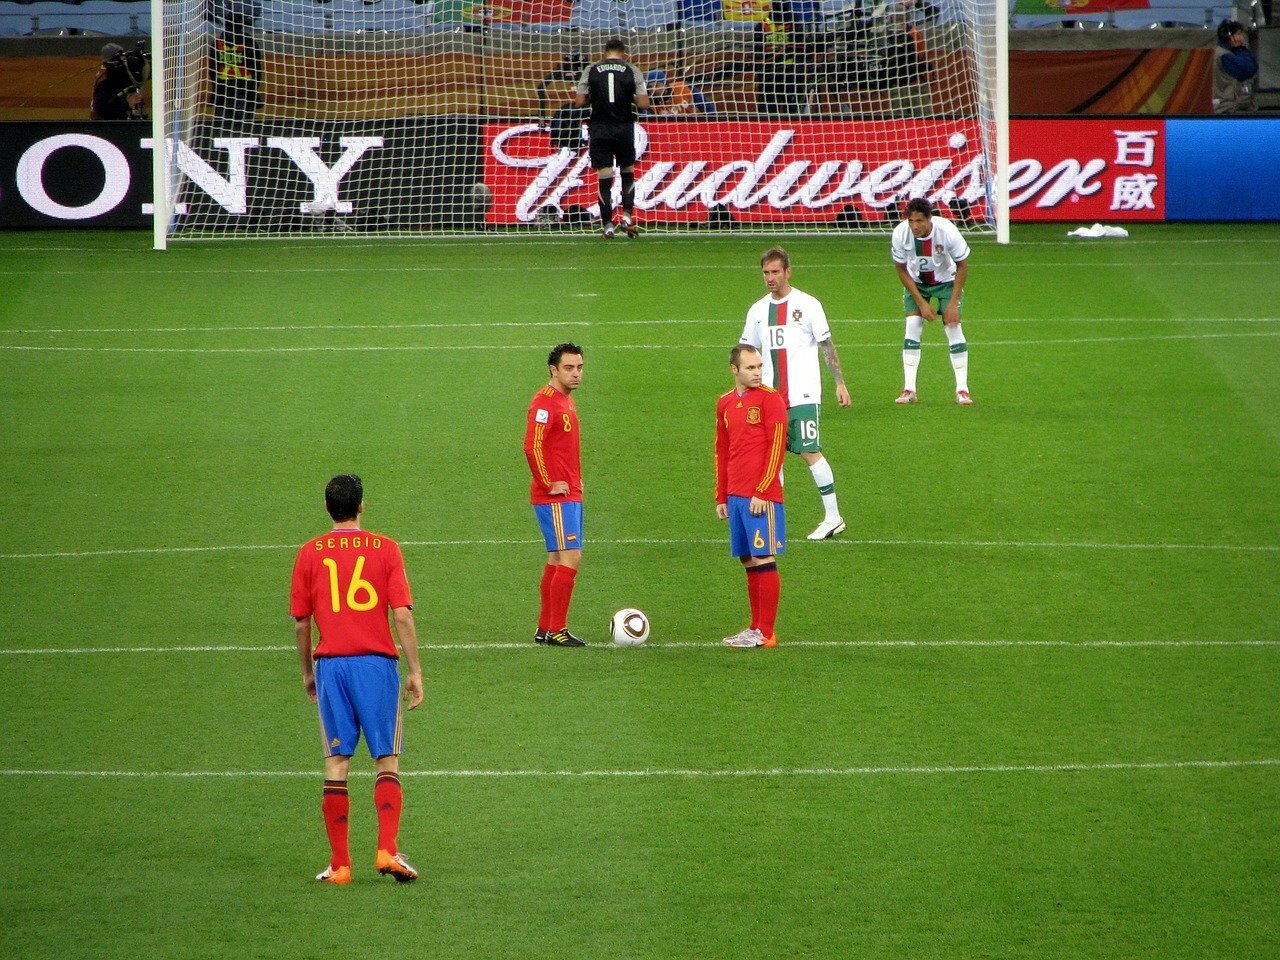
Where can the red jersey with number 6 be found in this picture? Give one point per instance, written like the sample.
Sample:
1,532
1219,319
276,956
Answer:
553,446
348,580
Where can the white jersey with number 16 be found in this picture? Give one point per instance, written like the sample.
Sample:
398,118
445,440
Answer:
787,333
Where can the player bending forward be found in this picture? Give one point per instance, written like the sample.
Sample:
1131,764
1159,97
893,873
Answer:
932,260
347,580
751,440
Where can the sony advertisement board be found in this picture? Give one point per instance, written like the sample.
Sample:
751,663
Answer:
462,173
416,173
75,175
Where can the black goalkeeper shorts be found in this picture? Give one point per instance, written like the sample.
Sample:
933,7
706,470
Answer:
607,151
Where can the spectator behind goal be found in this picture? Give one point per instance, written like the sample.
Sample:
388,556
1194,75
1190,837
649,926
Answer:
235,66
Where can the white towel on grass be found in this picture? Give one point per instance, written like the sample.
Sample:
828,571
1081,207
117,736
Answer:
1098,230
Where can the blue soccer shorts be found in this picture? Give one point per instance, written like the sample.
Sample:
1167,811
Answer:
752,536
359,694
561,524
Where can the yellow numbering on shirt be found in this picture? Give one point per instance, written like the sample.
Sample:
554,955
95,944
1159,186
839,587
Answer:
355,589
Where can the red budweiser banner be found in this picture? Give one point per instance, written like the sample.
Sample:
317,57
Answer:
1086,169
816,171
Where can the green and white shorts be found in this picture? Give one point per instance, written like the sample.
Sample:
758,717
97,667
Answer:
802,429
930,291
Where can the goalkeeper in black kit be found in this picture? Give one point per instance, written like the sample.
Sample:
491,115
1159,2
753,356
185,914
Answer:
613,88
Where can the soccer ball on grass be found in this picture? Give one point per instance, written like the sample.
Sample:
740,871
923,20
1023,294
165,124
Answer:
629,627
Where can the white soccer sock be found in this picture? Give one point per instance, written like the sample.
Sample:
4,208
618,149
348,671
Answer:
959,356
911,352
826,481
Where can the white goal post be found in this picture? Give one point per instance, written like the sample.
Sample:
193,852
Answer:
399,118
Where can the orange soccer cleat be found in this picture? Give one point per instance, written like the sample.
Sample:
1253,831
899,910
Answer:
397,866
331,874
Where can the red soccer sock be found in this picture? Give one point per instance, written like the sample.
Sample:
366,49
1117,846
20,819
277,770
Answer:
561,596
544,612
388,799
753,596
770,592
336,807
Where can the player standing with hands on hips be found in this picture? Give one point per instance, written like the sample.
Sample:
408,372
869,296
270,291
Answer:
346,581
789,327
751,440
613,87
553,447
932,260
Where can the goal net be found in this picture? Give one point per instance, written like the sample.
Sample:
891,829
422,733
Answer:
400,118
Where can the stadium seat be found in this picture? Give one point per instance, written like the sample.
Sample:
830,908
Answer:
610,15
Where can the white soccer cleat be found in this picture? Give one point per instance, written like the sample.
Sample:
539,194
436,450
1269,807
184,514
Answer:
608,231
746,640
629,227
740,635
963,398
906,396
827,529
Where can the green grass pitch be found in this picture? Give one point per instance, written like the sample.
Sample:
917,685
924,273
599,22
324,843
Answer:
1027,706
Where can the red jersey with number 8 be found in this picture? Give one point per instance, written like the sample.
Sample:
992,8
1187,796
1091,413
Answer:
553,446
348,580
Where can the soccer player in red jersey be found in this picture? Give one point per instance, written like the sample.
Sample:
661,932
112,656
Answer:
346,581
751,440
553,447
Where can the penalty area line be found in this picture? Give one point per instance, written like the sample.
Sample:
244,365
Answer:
842,542
687,645
458,348
1119,766
603,322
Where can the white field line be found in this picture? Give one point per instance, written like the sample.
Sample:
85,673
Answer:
690,645
213,246
498,325
526,268
692,773
704,541
426,347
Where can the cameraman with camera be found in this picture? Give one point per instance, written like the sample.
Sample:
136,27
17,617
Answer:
117,89
1235,71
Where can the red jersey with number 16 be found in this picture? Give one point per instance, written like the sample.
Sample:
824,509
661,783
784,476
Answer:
751,440
348,580
553,446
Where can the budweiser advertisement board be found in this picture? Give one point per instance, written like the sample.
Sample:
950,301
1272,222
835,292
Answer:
816,171
753,171
1087,169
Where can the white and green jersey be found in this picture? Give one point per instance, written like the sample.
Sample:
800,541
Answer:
787,333
930,260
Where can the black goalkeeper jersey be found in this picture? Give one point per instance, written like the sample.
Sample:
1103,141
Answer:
610,87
